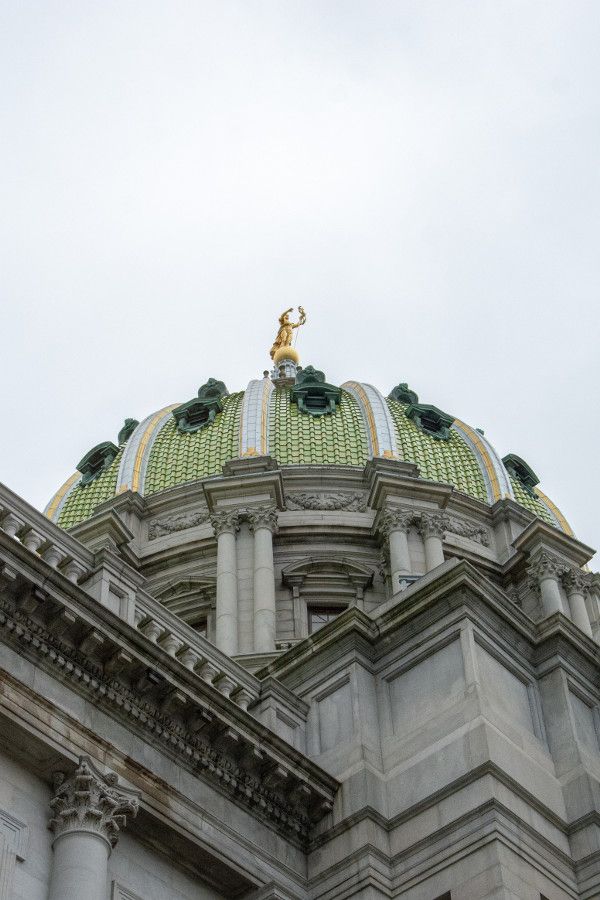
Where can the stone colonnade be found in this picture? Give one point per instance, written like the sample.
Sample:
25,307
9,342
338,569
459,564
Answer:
263,524
547,573
395,523
89,810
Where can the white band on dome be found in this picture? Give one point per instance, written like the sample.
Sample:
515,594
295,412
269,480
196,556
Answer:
254,422
132,470
495,475
378,421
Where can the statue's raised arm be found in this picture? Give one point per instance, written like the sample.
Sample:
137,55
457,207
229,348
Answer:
286,329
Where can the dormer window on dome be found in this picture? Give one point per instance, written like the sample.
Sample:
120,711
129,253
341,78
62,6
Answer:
96,461
522,472
312,393
403,394
431,420
201,410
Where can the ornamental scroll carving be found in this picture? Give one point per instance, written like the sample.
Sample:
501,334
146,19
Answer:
225,521
161,527
434,525
476,533
546,565
262,517
396,520
351,502
576,581
90,801
401,519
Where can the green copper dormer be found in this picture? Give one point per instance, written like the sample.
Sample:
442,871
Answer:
96,461
201,410
431,420
522,472
312,393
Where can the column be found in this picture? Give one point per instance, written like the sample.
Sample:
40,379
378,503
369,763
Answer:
394,525
433,528
576,585
225,525
545,570
263,523
89,811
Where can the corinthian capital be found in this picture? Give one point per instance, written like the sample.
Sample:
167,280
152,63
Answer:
433,525
575,581
90,801
263,517
395,520
225,521
545,565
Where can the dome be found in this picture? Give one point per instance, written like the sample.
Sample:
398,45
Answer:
298,419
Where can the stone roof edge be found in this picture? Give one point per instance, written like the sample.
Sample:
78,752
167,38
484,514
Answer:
99,620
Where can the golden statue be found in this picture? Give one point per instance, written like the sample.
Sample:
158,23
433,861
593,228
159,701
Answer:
286,329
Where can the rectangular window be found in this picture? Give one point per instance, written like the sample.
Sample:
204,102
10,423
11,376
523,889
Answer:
318,616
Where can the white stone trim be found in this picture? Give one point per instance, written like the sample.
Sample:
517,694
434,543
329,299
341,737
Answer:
254,422
495,475
132,470
377,419
15,833
14,838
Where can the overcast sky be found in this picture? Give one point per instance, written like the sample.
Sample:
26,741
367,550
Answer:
423,178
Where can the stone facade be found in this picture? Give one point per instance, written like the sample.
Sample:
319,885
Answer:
174,725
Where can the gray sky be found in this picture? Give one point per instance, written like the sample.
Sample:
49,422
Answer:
423,177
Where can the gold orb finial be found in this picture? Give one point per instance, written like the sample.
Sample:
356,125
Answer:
286,353
283,340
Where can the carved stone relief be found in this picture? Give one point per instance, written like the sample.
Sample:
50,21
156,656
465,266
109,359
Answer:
170,524
352,502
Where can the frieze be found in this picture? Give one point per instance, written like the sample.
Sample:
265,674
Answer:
477,533
180,522
192,748
350,502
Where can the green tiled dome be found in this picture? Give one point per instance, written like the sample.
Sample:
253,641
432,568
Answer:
451,461
160,454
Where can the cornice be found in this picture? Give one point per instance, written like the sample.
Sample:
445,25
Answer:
167,704
539,533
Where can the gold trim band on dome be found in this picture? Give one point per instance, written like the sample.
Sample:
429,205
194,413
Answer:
139,457
52,508
555,512
485,456
366,405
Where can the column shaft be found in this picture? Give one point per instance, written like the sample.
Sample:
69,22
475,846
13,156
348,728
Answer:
579,613
227,594
264,591
434,551
79,867
399,556
551,599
